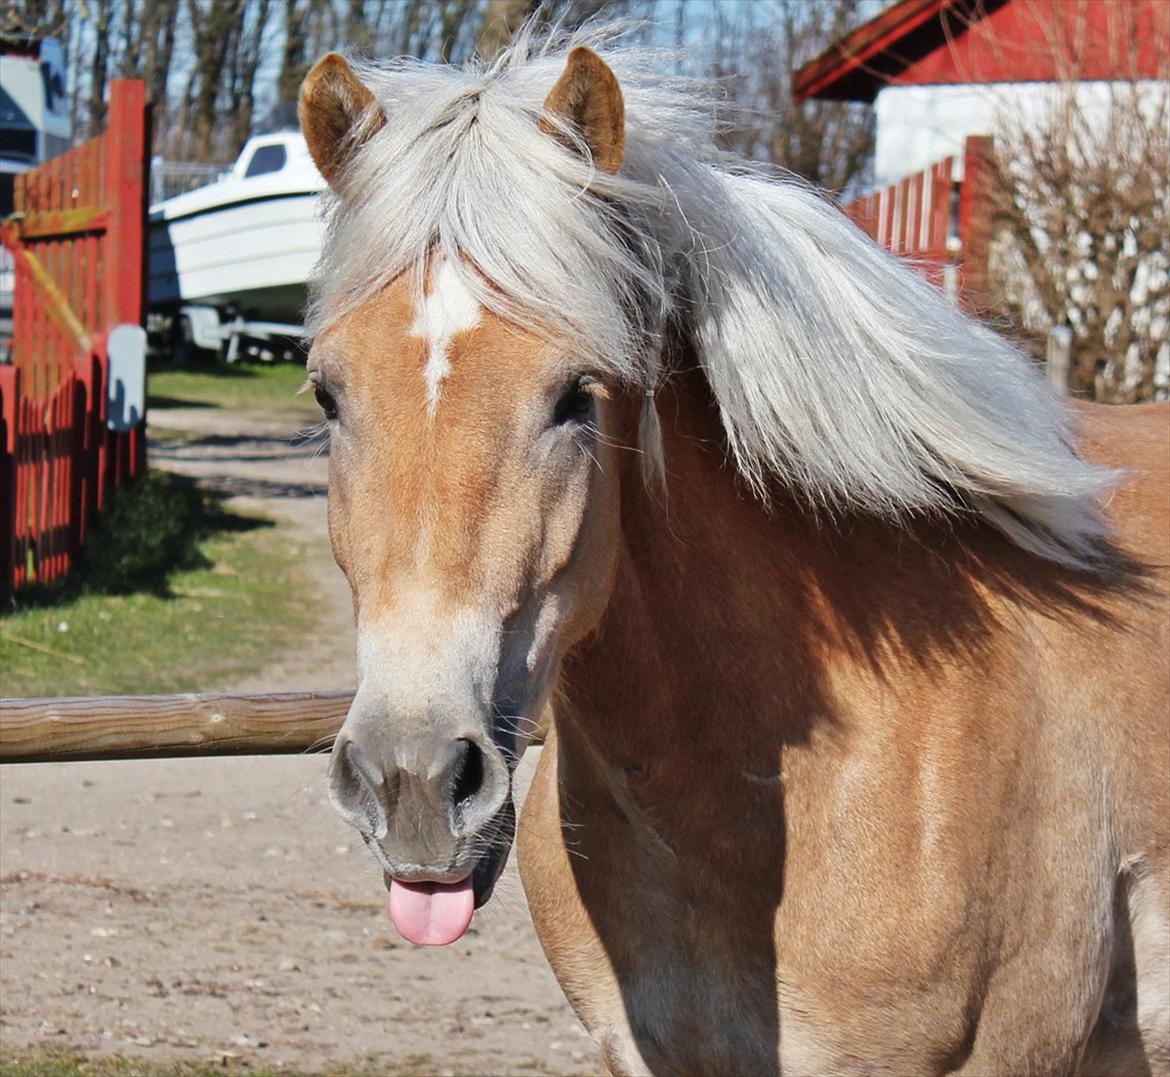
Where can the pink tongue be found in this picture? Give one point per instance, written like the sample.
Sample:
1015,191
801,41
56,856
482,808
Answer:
431,914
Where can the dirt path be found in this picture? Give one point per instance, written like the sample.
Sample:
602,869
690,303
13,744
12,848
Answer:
217,909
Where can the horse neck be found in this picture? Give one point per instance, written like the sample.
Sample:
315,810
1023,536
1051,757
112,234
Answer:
703,620
737,632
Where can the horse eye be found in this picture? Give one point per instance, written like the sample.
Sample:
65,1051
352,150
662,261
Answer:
325,401
575,404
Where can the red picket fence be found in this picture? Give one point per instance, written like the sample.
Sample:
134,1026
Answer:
941,224
78,240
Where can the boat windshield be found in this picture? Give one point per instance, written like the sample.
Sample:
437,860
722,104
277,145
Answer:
270,158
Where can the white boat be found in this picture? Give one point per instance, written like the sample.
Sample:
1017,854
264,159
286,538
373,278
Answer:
244,245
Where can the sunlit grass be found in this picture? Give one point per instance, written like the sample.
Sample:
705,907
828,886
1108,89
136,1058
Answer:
238,386
236,598
58,1062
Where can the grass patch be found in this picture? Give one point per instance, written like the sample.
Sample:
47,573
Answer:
174,594
61,1062
149,530
239,386
58,1063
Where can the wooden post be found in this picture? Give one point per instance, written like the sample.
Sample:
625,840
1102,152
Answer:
124,195
976,213
131,727
9,395
1058,357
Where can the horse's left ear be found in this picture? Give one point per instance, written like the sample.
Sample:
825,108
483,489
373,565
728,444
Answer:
587,97
338,113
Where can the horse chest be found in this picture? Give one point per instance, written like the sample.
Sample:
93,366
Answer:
666,982
686,1016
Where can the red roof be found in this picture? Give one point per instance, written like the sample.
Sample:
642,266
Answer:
933,42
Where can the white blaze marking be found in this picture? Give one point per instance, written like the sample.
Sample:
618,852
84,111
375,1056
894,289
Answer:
449,309
419,654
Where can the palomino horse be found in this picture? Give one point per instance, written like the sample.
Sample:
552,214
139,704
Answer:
856,636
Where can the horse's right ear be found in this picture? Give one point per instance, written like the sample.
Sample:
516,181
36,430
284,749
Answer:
338,113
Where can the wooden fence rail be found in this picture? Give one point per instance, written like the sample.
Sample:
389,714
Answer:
133,727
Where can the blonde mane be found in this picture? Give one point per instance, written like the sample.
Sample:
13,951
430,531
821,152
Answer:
837,370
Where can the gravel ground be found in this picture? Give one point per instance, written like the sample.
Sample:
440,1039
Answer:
217,910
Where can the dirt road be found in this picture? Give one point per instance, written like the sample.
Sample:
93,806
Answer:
217,910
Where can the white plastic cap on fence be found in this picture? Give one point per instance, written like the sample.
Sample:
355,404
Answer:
127,387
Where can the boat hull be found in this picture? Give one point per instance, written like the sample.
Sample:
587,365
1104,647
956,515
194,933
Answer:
253,256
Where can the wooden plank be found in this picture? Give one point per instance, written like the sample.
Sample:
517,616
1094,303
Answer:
89,191
56,184
25,484
131,727
9,393
93,243
125,201
63,480
87,376
976,213
917,237
54,304
61,222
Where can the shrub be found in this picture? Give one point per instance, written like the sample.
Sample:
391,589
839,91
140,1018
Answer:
149,529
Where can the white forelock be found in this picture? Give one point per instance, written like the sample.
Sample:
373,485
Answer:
837,370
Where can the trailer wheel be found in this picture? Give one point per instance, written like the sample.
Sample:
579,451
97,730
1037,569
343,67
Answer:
184,350
182,340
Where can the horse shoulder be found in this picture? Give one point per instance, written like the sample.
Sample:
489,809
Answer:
1130,659
1135,440
1133,1032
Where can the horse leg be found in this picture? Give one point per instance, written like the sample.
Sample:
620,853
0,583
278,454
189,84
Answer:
1056,955
570,941
1132,1035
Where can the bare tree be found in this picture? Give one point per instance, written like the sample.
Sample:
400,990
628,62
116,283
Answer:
360,17
501,19
1082,216
215,25
244,63
755,48
446,30
147,46
216,109
100,65
203,60
295,55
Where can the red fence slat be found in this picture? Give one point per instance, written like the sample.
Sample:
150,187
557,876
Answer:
58,461
912,218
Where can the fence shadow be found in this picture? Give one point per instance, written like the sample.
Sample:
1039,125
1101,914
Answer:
151,529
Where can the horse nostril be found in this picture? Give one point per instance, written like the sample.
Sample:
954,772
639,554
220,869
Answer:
468,779
363,768
358,789
476,785
452,793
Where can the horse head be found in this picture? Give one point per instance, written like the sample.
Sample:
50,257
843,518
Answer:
472,505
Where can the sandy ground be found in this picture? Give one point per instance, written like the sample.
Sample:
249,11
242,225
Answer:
217,910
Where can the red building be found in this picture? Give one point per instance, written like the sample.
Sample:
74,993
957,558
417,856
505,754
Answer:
937,71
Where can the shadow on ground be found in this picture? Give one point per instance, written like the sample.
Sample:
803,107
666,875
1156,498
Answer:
164,402
149,530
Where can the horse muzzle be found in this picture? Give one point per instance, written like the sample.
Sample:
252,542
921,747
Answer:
437,814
